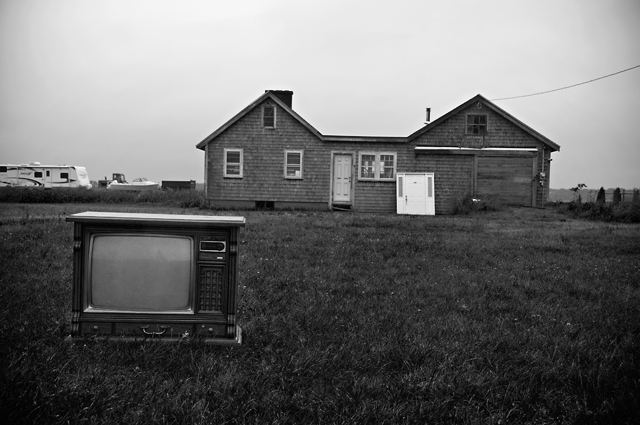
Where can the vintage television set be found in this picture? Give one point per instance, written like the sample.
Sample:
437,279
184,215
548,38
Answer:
159,276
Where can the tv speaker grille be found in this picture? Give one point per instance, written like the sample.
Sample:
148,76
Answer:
210,290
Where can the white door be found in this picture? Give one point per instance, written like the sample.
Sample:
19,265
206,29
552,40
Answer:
342,179
415,194
47,178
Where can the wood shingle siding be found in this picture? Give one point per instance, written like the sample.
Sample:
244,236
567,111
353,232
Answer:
464,155
453,178
511,177
378,197
263,165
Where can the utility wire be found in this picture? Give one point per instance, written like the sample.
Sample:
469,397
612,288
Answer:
568,87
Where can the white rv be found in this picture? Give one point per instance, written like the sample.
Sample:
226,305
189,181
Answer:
43,176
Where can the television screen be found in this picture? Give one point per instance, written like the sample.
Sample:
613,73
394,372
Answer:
141,273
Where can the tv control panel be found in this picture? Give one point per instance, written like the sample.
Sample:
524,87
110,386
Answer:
212,248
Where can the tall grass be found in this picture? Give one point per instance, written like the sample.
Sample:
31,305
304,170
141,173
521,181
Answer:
514,316
623,212
180,198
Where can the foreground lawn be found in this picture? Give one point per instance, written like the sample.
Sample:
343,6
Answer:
519,316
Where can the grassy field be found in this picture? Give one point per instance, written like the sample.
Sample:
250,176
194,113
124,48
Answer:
516,316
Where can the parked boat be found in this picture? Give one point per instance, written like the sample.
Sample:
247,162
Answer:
120,183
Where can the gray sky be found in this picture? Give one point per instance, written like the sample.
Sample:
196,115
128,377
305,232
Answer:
132,86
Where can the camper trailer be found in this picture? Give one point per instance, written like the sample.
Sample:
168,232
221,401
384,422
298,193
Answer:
43,176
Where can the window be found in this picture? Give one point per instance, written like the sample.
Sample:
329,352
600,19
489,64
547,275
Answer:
476,124
292,164
269,116
367,166
377,166
233,163
3,169
64,176
37,174
387,166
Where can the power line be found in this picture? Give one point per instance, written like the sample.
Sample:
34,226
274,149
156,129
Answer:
568,87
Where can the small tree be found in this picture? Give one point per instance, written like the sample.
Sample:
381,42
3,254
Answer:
600,198
617,198
576,191
636,196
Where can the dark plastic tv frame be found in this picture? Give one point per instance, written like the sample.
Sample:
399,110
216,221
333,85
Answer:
213,272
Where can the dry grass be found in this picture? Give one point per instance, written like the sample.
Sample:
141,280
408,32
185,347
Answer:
515,316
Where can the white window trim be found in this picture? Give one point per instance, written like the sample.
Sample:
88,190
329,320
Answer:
224,170
376,166
360,166
486,124
286,154
275,115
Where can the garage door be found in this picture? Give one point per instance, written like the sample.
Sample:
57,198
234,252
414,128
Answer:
508,178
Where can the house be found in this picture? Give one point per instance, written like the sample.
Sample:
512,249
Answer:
269,156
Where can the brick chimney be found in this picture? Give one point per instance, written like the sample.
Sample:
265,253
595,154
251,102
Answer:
286,96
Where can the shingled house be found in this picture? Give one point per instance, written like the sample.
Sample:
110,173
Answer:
269,156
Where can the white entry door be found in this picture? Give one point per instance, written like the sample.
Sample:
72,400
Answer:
48,180
415,194
342,179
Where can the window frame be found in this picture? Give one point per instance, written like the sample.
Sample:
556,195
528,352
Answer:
226,163
286,164
483,129
264,108
376,166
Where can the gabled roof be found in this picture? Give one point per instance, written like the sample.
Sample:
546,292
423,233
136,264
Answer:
382,139
495,108
329,138
267,95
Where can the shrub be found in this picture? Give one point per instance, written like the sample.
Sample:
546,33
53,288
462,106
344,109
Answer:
576,191
626,212
621,212
597,211
617,197
468,204
600,198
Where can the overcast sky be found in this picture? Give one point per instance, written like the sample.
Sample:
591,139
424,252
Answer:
132,86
